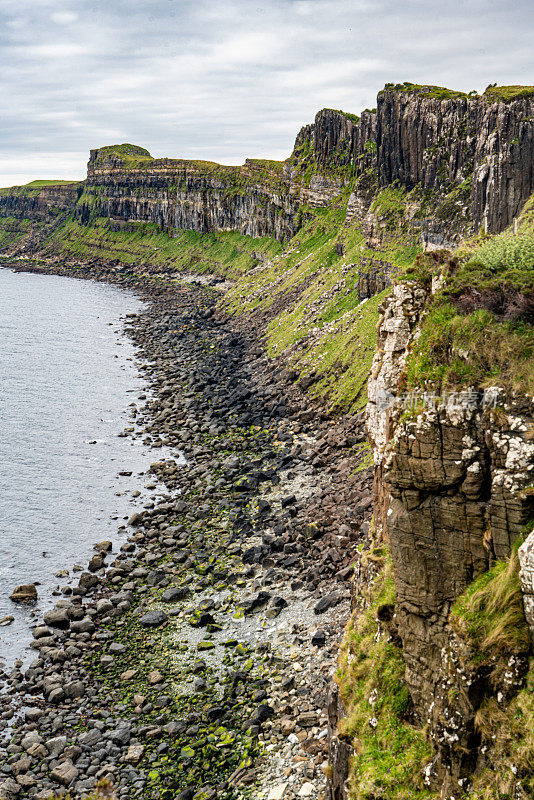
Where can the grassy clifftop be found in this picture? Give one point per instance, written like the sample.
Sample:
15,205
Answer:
127,156
34,187
479,327
493,93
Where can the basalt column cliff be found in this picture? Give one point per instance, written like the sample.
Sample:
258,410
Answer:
388,264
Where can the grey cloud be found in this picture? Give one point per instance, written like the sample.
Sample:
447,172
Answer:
227,80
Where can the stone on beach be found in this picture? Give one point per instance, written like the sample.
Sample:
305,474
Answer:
26,593
153,618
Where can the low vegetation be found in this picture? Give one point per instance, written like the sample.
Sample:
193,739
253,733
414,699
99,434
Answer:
321,323
390,752
476,349
44,183
489,617
437,92
479,329
493,93
506,94
224,253
131,155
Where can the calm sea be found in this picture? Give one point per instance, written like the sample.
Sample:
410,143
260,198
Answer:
67,377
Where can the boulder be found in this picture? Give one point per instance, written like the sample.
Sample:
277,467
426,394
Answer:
175,593
153,618
134,754
26,593
9,789
103,606
56,746
57,618
103,547
328,601
65,773
74,689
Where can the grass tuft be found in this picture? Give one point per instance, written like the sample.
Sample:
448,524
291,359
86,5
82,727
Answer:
506,94
489,614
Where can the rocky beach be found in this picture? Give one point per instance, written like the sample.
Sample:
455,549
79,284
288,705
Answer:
197,662
332,596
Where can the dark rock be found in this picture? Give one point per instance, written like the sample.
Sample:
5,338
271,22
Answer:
88,581
215,712
153,618
84,625
319,638
121,735
253,603
262,713
288,501
327,602
74,689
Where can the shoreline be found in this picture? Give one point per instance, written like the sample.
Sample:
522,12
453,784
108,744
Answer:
200,660
53,517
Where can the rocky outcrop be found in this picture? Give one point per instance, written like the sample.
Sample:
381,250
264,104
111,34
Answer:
253,200
453,477
40,204
440,142
450,496
337,139
374,276
334,149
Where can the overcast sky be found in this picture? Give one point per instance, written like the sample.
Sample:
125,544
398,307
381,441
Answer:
227,79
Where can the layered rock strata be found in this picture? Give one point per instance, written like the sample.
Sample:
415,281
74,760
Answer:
474,155
187,195
452,478
42,205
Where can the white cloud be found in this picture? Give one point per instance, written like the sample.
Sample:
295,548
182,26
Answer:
57,50
63,17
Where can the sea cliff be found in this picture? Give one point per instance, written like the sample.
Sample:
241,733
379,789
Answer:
383,272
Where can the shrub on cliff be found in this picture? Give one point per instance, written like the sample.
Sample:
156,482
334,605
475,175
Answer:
479,327
490,616
456,350
499,277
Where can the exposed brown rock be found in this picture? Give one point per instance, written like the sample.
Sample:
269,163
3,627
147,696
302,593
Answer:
24,594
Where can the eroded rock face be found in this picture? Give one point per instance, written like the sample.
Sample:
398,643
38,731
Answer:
449,488
180,195
526,576
438,142
396,327
45,204
455,475
337,139
451,497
